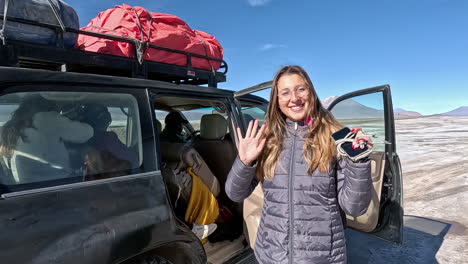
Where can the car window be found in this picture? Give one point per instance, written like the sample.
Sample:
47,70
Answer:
120,124
161,119
192,116
253,112
365,111
53,138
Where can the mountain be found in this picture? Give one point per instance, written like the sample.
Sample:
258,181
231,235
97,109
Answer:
349,108
327,101
352,109
398,112
460,111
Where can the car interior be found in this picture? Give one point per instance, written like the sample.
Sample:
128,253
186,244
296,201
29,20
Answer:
210,148
210,151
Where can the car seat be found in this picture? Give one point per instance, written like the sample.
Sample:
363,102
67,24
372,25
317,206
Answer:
213,145
180,156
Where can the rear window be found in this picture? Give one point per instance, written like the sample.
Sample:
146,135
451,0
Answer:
53,138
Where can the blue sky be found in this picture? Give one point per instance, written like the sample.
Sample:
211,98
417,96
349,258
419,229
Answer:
419,47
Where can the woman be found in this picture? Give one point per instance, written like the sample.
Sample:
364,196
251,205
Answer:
33,141
306,185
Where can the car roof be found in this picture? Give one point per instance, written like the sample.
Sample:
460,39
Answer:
14,75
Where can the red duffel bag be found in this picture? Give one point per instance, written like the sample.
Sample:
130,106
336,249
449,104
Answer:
158,29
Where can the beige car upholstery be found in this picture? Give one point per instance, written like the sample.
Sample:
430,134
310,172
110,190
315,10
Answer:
252,212
179,156
217,149
367,222
213,126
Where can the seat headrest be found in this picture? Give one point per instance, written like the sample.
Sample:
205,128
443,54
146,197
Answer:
213,126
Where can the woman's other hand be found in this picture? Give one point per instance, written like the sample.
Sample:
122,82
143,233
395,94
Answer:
360,137
252,144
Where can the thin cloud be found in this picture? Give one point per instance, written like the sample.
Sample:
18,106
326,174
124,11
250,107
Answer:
255,3
270,46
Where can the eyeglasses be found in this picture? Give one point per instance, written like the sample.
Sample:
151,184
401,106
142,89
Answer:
286,94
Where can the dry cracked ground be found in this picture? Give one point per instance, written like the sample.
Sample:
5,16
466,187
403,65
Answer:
434,156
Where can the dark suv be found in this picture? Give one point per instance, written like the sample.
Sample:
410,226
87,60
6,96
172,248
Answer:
59,204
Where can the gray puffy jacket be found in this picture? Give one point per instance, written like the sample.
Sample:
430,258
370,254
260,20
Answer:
301,221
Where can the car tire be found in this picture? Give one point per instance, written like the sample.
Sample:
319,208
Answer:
155,260
173,253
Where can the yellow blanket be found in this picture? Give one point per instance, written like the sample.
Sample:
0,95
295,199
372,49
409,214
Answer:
203,207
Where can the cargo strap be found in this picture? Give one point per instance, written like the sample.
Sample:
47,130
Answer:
57,15
2,30
141,45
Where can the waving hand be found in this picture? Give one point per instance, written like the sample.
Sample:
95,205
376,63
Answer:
252,144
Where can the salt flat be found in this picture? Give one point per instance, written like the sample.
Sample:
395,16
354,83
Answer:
434,156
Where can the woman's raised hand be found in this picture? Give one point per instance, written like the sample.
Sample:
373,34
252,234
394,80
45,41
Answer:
360,136
252,144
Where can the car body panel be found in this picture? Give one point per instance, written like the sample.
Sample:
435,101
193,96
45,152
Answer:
86,222
101,221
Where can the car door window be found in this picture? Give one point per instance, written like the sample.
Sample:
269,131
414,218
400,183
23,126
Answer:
252,112
52,138
365,111
194,116
254,104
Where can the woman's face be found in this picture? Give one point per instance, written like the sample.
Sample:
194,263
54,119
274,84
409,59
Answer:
293,97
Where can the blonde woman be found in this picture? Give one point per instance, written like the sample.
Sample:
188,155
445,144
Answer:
33,141
306,185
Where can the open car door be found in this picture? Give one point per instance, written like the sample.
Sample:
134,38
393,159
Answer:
372,110
251,107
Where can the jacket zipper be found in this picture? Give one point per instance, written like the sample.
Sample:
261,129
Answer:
291,192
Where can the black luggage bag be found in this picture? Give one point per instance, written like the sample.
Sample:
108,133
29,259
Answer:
22,14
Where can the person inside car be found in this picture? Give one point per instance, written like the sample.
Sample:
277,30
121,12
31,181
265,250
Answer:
106,156
174,125
33,141
306,185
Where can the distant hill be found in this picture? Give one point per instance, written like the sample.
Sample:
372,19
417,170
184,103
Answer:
398,112
460,111
327,101
351,109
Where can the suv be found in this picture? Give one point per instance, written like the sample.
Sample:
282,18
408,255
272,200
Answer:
70,211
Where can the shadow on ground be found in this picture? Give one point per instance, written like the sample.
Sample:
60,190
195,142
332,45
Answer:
422,238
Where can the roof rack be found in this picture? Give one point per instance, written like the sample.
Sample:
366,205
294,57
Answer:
15,53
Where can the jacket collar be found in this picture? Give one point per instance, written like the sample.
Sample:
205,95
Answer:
296,126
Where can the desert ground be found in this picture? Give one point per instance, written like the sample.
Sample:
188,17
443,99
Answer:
434,156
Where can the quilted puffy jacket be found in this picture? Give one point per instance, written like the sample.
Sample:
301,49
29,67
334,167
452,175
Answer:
301,221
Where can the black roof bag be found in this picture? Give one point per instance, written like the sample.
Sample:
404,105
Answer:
53,16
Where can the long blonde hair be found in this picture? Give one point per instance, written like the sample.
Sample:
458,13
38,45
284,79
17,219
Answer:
319,148
21,119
